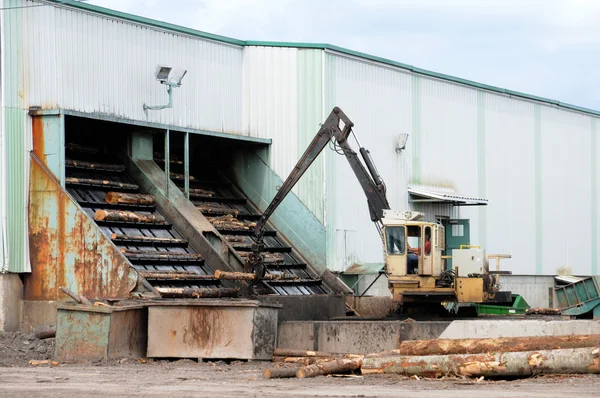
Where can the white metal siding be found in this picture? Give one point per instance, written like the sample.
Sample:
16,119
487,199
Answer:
90,63
531,160
270,102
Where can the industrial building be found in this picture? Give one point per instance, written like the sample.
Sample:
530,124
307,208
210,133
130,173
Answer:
508,171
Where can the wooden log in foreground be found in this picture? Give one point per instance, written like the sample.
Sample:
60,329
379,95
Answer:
503,364
286,352
127,216
278,373
196,293
129,198
77,297
329,367
503,344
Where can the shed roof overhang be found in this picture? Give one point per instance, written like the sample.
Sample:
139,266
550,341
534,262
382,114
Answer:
419,195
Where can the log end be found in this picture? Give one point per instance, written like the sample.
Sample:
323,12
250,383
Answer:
267,374
301,373
100,215
218,275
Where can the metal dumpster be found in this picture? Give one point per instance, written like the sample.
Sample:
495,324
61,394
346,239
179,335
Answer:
99,333
224,329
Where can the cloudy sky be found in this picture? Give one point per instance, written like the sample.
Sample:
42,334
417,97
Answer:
549,48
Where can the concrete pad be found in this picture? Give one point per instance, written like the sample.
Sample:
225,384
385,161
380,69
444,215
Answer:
38,313
357,337
518,328
11,294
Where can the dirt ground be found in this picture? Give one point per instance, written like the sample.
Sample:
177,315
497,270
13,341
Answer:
186,378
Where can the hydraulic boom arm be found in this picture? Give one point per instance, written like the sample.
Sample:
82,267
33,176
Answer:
338,127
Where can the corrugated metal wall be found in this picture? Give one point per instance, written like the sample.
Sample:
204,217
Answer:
98,64
535,163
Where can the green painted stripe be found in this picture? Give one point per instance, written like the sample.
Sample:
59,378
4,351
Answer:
594,201
481,166
537,144
416,130
321,46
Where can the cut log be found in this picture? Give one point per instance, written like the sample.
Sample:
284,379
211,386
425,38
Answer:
178,176
147,239
181,275
215,208
245,276
234,238
502,364
129,198
304,361
94,166
127,216
503,344
231,223
285,352
161,256
543,311
202,192
83,148
159,157
77,297
278,373
267,257
104,183
174,292
329,367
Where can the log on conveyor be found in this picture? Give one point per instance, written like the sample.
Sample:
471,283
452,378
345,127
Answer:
267,257
245,276
147,239
231,223
98,166
104,183
501,364
129,198
163,256
501,344
329,367
215,208
202,192
179,176
543,311
235,238
159,157
83,148
174,275
174,292
127,216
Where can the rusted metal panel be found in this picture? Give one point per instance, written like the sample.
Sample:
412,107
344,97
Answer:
100,333
212,329
67,248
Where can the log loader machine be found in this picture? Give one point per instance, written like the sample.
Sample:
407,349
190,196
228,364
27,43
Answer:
413,248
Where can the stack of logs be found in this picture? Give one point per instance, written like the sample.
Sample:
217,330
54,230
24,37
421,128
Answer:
493,357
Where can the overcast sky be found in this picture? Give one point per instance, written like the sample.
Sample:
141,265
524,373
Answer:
549,48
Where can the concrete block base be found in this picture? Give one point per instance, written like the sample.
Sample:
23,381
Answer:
308,308
11,294
38,313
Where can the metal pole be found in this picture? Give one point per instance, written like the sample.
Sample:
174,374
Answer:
186,164
167,163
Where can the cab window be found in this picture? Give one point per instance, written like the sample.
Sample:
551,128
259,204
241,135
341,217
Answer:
395,239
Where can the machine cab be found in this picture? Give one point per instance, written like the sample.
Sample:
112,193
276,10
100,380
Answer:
412,247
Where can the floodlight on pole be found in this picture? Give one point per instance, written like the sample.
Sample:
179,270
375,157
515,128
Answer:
170,77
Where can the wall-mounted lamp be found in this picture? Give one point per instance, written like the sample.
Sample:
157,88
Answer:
401,142
171,77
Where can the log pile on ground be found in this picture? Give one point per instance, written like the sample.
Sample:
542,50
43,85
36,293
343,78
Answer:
127,216
499,357
229,222
129,198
